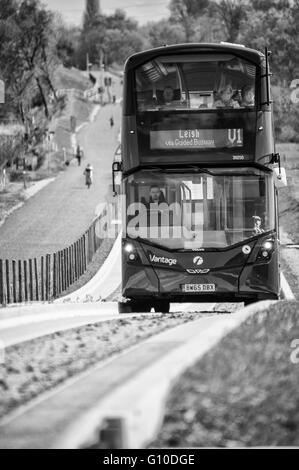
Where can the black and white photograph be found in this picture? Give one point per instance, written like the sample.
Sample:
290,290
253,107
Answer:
149,230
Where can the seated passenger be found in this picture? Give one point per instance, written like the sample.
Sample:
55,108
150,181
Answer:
257,228
156,197
247,96
168,97
225,99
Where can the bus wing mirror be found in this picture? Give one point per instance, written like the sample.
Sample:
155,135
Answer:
116,167
280,177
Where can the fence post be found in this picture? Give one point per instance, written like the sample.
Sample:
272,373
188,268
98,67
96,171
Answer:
88,245
84,248
72,263
97,231
36,279
66,268
93,240
7,281
31,280
42,279
69,256
47,277
62,271
81,255
76,260
1,283
14,282
55,275
25,281
20,281
58,273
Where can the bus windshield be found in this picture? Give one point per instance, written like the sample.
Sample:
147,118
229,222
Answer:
196,81
212,208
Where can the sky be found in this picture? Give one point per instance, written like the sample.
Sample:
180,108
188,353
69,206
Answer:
142,10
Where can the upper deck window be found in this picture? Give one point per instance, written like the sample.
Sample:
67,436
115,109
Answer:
196,81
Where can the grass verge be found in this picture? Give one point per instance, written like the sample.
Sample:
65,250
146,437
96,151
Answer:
244,392
35,366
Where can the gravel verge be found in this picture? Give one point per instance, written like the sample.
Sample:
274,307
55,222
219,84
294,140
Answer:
35,366
244,392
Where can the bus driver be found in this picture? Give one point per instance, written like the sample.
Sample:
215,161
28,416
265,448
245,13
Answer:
156,195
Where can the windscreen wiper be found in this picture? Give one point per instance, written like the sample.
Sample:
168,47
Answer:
201,170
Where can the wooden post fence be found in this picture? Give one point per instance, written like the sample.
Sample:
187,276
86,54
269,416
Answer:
52,274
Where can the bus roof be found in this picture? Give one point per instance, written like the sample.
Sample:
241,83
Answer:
237,49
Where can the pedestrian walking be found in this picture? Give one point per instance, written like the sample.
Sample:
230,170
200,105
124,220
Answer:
79,154
88,172
111,122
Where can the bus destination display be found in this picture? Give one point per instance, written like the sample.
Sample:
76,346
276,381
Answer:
196,138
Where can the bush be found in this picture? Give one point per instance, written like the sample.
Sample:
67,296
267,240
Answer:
10,147
286,116
288,134
16,176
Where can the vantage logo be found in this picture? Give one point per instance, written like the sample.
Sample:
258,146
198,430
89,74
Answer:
197,271
163,260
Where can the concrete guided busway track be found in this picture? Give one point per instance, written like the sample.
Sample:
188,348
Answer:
114,403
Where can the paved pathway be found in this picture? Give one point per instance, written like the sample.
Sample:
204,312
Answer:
61,212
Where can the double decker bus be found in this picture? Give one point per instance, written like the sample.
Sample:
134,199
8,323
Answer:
199,178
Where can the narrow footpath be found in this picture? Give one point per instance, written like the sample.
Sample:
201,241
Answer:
60,213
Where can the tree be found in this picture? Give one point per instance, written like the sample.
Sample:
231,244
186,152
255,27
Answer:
67,42
120,21
32,43
110,39
91,13
164,32
27,54
118,45
266,5
232,14
276,25
186,12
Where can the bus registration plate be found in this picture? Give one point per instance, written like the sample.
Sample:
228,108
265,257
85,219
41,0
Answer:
198,287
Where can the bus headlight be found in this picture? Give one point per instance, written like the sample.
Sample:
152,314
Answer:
268,245
266,250
129,248
131,253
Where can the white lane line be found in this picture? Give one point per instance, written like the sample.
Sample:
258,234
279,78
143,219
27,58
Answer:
192,307
109,312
